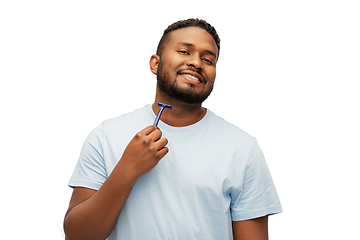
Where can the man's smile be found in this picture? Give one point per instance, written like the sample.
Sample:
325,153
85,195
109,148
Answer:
192,76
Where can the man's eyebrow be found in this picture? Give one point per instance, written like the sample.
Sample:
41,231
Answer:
186,44
211,53
192,45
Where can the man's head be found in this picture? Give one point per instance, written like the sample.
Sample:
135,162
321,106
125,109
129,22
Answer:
185,63
192,22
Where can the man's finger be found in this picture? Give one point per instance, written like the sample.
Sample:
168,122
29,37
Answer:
161,143
155,135
162,152
146,131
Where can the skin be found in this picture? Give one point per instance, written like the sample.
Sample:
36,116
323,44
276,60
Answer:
93,214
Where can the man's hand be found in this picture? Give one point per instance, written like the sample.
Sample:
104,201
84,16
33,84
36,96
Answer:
144,151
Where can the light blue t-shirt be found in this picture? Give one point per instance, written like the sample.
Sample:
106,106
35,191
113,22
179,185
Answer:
214,174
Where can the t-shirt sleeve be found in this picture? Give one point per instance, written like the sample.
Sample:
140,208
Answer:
90,171
257,196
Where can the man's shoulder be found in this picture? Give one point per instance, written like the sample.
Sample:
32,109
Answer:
230,129
129,122
129,117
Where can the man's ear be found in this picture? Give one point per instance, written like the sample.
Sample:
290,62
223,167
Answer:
154,63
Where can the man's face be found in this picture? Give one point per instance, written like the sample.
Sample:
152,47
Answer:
187,65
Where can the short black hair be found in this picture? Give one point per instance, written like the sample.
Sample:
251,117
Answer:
191,22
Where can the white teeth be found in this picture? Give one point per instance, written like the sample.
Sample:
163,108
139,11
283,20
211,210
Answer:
191,76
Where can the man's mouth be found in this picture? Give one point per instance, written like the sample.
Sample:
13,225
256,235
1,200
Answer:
192,76
191,79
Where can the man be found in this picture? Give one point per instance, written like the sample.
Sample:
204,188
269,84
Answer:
195,176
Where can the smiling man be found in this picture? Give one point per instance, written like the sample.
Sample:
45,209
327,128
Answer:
195,176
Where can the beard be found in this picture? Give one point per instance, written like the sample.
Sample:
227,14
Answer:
171,88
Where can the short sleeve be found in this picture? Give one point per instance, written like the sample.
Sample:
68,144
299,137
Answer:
90,171
257,196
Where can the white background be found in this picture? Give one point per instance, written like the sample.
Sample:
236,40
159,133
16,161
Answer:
288,74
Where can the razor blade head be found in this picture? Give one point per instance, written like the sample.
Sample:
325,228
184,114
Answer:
164,105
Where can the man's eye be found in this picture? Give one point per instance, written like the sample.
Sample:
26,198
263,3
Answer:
183,52
208,61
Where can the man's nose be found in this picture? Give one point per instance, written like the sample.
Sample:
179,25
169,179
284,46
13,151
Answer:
195,61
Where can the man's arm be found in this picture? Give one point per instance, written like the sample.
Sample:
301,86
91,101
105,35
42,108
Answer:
253,229
93,214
